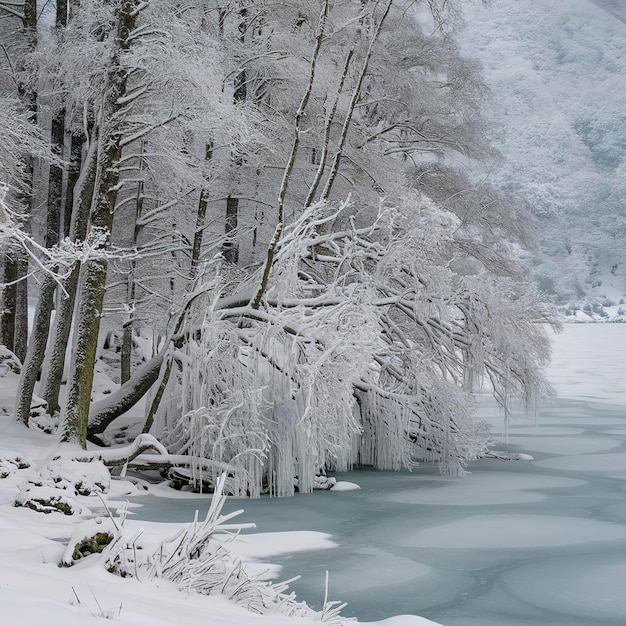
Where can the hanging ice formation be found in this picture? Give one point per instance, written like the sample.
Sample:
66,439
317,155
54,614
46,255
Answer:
365,350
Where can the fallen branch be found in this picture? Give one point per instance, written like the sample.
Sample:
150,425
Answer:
120,456
158,462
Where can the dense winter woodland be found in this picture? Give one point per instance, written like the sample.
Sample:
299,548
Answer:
264,231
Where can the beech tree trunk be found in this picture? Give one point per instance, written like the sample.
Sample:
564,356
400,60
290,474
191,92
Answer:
231,247
54,232
54,229
196,250
280,209
20,343
7,312
105,412
198,234
82,193
19,314
36,350
93,273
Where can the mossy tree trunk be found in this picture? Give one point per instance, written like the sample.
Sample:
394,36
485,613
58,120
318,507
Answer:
36,350
34,355
93,273
82,195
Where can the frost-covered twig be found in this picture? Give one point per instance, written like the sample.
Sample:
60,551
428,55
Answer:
198,559
58,260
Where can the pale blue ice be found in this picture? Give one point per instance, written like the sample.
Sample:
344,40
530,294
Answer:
538,542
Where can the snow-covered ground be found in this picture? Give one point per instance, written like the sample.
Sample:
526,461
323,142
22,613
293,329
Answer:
35,590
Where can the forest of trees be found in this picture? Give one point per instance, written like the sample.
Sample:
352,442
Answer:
280,196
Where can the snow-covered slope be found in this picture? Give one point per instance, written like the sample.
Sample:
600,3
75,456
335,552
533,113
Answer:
557,71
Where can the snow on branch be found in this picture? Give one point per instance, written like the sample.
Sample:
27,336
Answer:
57,261
366,348
122,455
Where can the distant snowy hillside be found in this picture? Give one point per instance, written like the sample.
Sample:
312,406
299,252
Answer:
557,71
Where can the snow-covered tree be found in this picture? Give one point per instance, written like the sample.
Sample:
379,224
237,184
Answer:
285,212
425,286
19,97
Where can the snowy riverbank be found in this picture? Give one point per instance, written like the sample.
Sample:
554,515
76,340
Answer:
34,590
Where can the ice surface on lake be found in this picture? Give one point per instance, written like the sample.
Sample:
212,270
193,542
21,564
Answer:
591,588
565,445
539,543
589,363
483,488
377,568
543,431
616,431
606,463
492,532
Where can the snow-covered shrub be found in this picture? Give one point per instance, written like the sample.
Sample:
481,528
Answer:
8,362
79,477
11,462
45,499
90,537
198,560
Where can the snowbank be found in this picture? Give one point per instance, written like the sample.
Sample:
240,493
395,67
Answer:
35,590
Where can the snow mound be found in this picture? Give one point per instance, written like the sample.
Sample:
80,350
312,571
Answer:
344,485
49,500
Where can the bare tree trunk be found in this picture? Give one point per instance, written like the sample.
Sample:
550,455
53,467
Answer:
36,350
156,401
82,192
196,250
73,155
126,396
54,231
74,425
62,12
61,331
327,128
131,287
7,313
356,94
199,232
20,344
300,113
59,177
231,247
55,183
89,311
29,97
126,352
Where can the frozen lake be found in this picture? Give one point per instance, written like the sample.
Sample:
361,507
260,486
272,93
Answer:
513,543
